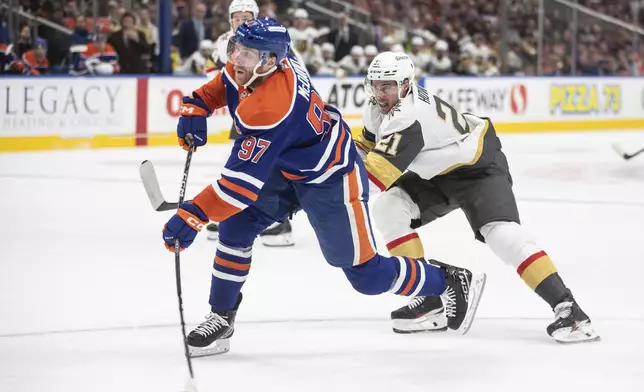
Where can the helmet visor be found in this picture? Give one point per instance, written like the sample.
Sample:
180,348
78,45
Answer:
241,55
383,87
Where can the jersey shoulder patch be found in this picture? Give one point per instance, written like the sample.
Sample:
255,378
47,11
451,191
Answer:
271,103
400,118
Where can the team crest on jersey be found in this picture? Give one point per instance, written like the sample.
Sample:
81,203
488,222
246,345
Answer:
394,109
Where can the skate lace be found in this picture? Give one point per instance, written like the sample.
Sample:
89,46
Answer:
416,301
449,302
213,323
563,310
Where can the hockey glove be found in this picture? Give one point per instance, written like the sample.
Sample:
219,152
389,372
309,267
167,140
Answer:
194,112
184,225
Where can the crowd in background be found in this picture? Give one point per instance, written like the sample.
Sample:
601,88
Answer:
442,36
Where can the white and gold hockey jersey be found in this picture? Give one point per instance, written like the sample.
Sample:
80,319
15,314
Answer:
423,134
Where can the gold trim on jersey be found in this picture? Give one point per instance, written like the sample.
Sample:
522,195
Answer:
477,156
383,170
364,144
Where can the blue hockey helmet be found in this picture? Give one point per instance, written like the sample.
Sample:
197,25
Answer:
266,35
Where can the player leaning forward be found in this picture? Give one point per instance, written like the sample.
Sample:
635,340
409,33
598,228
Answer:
296,153
452,161
239,11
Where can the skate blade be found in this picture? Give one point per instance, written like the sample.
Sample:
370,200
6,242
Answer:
476,292
436,322
584,333
277,240
221,346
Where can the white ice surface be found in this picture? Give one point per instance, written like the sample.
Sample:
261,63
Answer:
88,303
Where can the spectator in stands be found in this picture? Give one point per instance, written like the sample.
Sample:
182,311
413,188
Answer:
419,56
131,46
150,31
303,35
466,66
36,58
370,52
328,65
343,38
193,31
23,43
196,63
386,44
81,34
58,43
354,62
115,14
267,8
492,69
440,64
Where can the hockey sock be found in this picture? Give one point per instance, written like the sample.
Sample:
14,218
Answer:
512,244
408,245
540,274
229,273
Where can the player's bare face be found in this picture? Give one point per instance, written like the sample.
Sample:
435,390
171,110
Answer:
386,94
238,18
244,60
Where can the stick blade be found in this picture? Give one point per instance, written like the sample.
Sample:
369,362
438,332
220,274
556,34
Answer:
618,150
190,386
151,185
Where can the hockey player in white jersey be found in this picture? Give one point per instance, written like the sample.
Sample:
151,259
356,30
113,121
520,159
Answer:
239,11
429,159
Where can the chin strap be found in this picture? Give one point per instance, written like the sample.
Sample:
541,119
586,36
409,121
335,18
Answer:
258,75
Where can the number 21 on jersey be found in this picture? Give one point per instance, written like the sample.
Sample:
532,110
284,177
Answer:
444,109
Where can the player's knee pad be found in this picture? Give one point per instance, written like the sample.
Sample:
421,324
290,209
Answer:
393,212
509,241
241,229
373,277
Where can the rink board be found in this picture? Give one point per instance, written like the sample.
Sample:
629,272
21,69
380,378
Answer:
48,113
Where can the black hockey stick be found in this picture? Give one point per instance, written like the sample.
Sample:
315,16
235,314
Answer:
153,190
625,155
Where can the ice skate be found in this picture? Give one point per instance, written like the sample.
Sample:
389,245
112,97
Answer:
571,325
422,314
461,297
212,336
278,234
212,231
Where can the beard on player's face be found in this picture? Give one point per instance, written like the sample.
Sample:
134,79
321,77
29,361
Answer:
243,74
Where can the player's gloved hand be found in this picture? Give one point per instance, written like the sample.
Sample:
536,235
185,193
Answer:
193,121
184,225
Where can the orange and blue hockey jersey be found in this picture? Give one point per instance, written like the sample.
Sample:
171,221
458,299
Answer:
32,62
285,125
87,61
9,62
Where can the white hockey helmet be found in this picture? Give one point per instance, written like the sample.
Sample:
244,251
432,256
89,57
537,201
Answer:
396,66
243,6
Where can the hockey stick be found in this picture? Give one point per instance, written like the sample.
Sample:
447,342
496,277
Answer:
151,184
190,384
625,155
152,188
